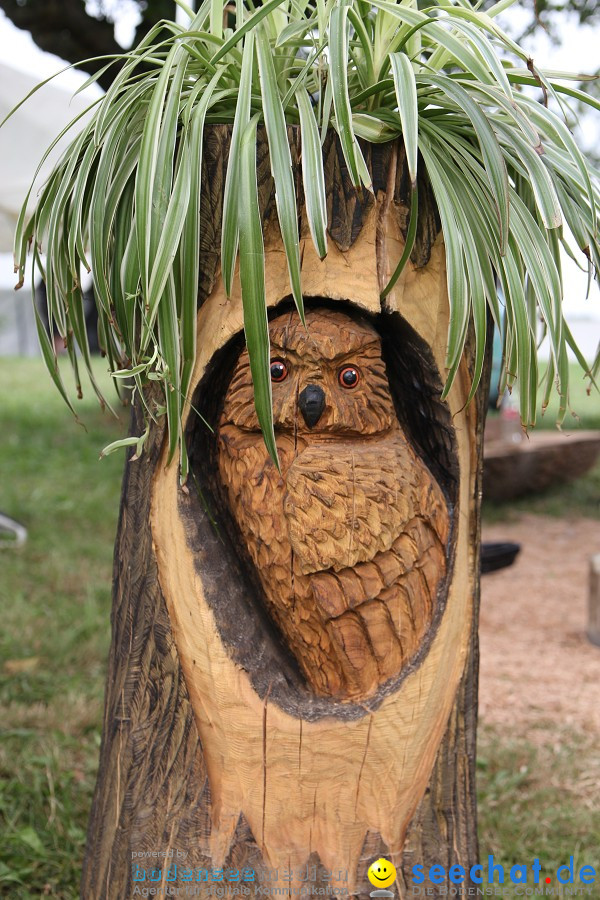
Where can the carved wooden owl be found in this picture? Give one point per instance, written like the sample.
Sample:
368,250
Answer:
349,541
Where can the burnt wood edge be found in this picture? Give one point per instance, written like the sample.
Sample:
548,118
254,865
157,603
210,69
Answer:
347,207
230,581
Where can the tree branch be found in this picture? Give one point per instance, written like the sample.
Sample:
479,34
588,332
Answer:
65,28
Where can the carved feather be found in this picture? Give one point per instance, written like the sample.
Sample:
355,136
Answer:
349,539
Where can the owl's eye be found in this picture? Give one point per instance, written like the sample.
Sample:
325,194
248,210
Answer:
279,370
349,377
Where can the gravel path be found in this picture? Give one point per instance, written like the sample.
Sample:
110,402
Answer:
537,667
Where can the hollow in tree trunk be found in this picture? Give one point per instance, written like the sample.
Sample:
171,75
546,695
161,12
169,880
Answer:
292,686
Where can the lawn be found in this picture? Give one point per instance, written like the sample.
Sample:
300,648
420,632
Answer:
584,405
539,799
55,595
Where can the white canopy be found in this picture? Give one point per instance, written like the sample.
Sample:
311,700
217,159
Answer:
25,137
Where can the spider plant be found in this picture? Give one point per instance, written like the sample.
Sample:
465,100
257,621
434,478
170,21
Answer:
510,183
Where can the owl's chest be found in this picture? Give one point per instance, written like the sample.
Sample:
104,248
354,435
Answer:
335,503
256,492
343,540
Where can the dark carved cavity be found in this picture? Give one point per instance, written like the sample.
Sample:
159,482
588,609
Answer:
335,569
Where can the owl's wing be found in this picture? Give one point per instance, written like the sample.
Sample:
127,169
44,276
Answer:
369,526
348,500
377,613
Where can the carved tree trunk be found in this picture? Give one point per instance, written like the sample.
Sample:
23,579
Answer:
293,671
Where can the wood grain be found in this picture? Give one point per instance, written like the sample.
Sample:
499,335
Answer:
349,539
212,742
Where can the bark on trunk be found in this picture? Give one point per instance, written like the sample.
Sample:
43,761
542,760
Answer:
216,752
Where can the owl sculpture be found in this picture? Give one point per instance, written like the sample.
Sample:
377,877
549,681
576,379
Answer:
349,539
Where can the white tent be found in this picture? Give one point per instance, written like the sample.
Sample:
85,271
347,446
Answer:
23,141
25,137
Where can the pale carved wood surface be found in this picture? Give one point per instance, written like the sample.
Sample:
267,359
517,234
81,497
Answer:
349,539
307,775
185,767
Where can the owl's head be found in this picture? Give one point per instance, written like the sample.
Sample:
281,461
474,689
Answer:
326,378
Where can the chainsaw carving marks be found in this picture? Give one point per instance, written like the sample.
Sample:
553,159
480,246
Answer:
350,539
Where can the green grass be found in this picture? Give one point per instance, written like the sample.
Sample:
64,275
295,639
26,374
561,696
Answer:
539,801
55,596
584,402
578,498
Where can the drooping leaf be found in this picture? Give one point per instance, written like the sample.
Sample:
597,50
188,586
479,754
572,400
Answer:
312,173
281,165
124,197
229,227
406,95
252,277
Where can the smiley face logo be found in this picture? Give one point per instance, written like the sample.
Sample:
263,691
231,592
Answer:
382,873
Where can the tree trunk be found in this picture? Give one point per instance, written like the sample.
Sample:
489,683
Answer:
223,747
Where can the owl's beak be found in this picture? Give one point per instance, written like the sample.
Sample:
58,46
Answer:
311,402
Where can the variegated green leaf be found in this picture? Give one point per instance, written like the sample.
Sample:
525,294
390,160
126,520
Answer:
229,227
252,277
406,95
312,173
281,164
124,197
